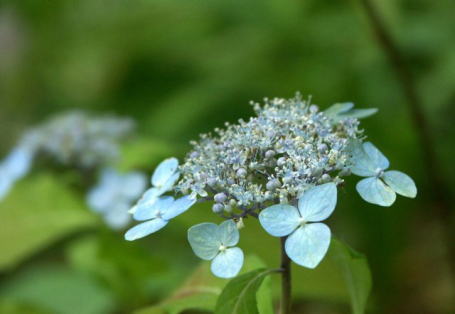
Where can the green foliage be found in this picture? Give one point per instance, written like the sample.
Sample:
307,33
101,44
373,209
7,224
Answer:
40,211
356,274
239,295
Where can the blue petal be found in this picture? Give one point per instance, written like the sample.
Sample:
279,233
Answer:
378,159
144,229
319,202
168,184
279,220
178,207
149,197
401,183
156,209
164,171
374,191
228,233
362,165
308,245
227,263
204,240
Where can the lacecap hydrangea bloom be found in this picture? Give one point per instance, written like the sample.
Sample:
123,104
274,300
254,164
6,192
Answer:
283,166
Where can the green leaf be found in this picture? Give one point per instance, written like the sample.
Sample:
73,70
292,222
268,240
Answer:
239,295
39,211
356,274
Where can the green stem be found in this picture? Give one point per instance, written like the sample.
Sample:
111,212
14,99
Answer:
285,305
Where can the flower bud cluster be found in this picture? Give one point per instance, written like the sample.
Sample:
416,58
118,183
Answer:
287,148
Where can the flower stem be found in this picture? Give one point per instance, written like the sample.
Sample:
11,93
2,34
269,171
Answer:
285,305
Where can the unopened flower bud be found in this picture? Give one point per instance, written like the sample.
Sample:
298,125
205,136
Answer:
326,177
241,172
220,197
269,154
281,161
211,182
217,208
322,148
314,108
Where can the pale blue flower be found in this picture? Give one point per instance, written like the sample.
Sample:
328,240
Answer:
157,215
380,186
308,240
217,243
114,194
15,166
163,180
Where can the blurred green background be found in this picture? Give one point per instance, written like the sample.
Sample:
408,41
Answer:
180,68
